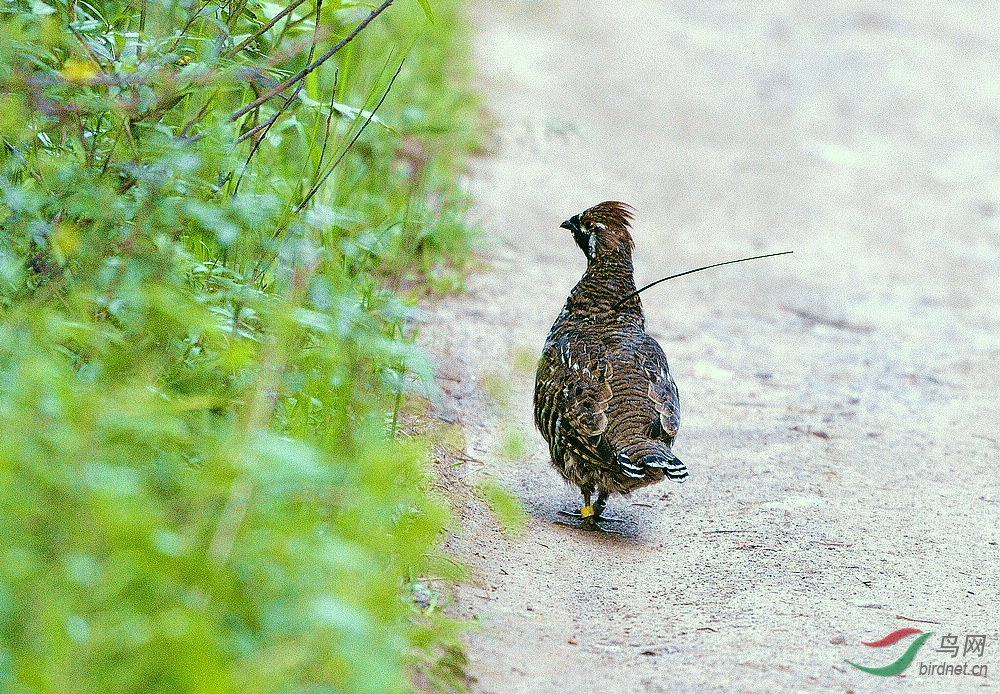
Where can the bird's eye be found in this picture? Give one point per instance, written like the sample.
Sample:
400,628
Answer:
588,225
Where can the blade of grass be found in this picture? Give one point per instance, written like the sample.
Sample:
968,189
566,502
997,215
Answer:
367,121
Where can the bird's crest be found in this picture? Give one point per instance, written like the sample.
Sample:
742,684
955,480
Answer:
616,217
603,228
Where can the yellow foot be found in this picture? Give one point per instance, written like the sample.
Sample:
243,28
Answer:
588,516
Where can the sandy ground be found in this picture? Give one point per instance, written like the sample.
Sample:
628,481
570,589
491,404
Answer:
839,406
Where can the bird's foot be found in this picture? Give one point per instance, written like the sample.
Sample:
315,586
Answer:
590,517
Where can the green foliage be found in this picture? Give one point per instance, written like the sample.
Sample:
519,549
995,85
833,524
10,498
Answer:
507,508
200,348
439,127
513,445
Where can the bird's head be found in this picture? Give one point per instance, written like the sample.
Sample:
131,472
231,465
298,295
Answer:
602,229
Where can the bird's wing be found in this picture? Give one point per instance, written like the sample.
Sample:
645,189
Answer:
587,393
660,389
573,385
547,390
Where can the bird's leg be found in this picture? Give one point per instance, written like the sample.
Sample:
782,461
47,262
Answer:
602,500
587,513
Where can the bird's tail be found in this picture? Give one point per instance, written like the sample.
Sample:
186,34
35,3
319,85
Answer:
651,454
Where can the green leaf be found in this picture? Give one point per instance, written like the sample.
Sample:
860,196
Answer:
40,8
507,508
425,5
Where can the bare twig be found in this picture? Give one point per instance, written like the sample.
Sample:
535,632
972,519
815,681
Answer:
911,619
264,29
301,74
94,140
90,49
107,157
260,126
263,128
329,119
197,117
183,32
142,29
832,322
234,14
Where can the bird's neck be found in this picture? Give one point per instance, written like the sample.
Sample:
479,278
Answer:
608,279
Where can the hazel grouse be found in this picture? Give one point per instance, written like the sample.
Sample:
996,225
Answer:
604,398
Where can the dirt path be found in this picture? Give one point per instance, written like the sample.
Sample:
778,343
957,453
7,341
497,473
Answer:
840,406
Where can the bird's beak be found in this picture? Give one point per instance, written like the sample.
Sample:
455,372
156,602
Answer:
573,223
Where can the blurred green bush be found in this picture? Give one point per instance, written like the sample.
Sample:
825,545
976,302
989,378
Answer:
200,348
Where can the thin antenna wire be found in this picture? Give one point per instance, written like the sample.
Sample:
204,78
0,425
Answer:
637,292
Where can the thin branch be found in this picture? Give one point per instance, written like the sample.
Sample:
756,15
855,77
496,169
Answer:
190,21
329,118
142,30
11,149
230,521
90,49
162,107
263,128
107,157
260,126
96,132
267,27
198,116
313,65
234,14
